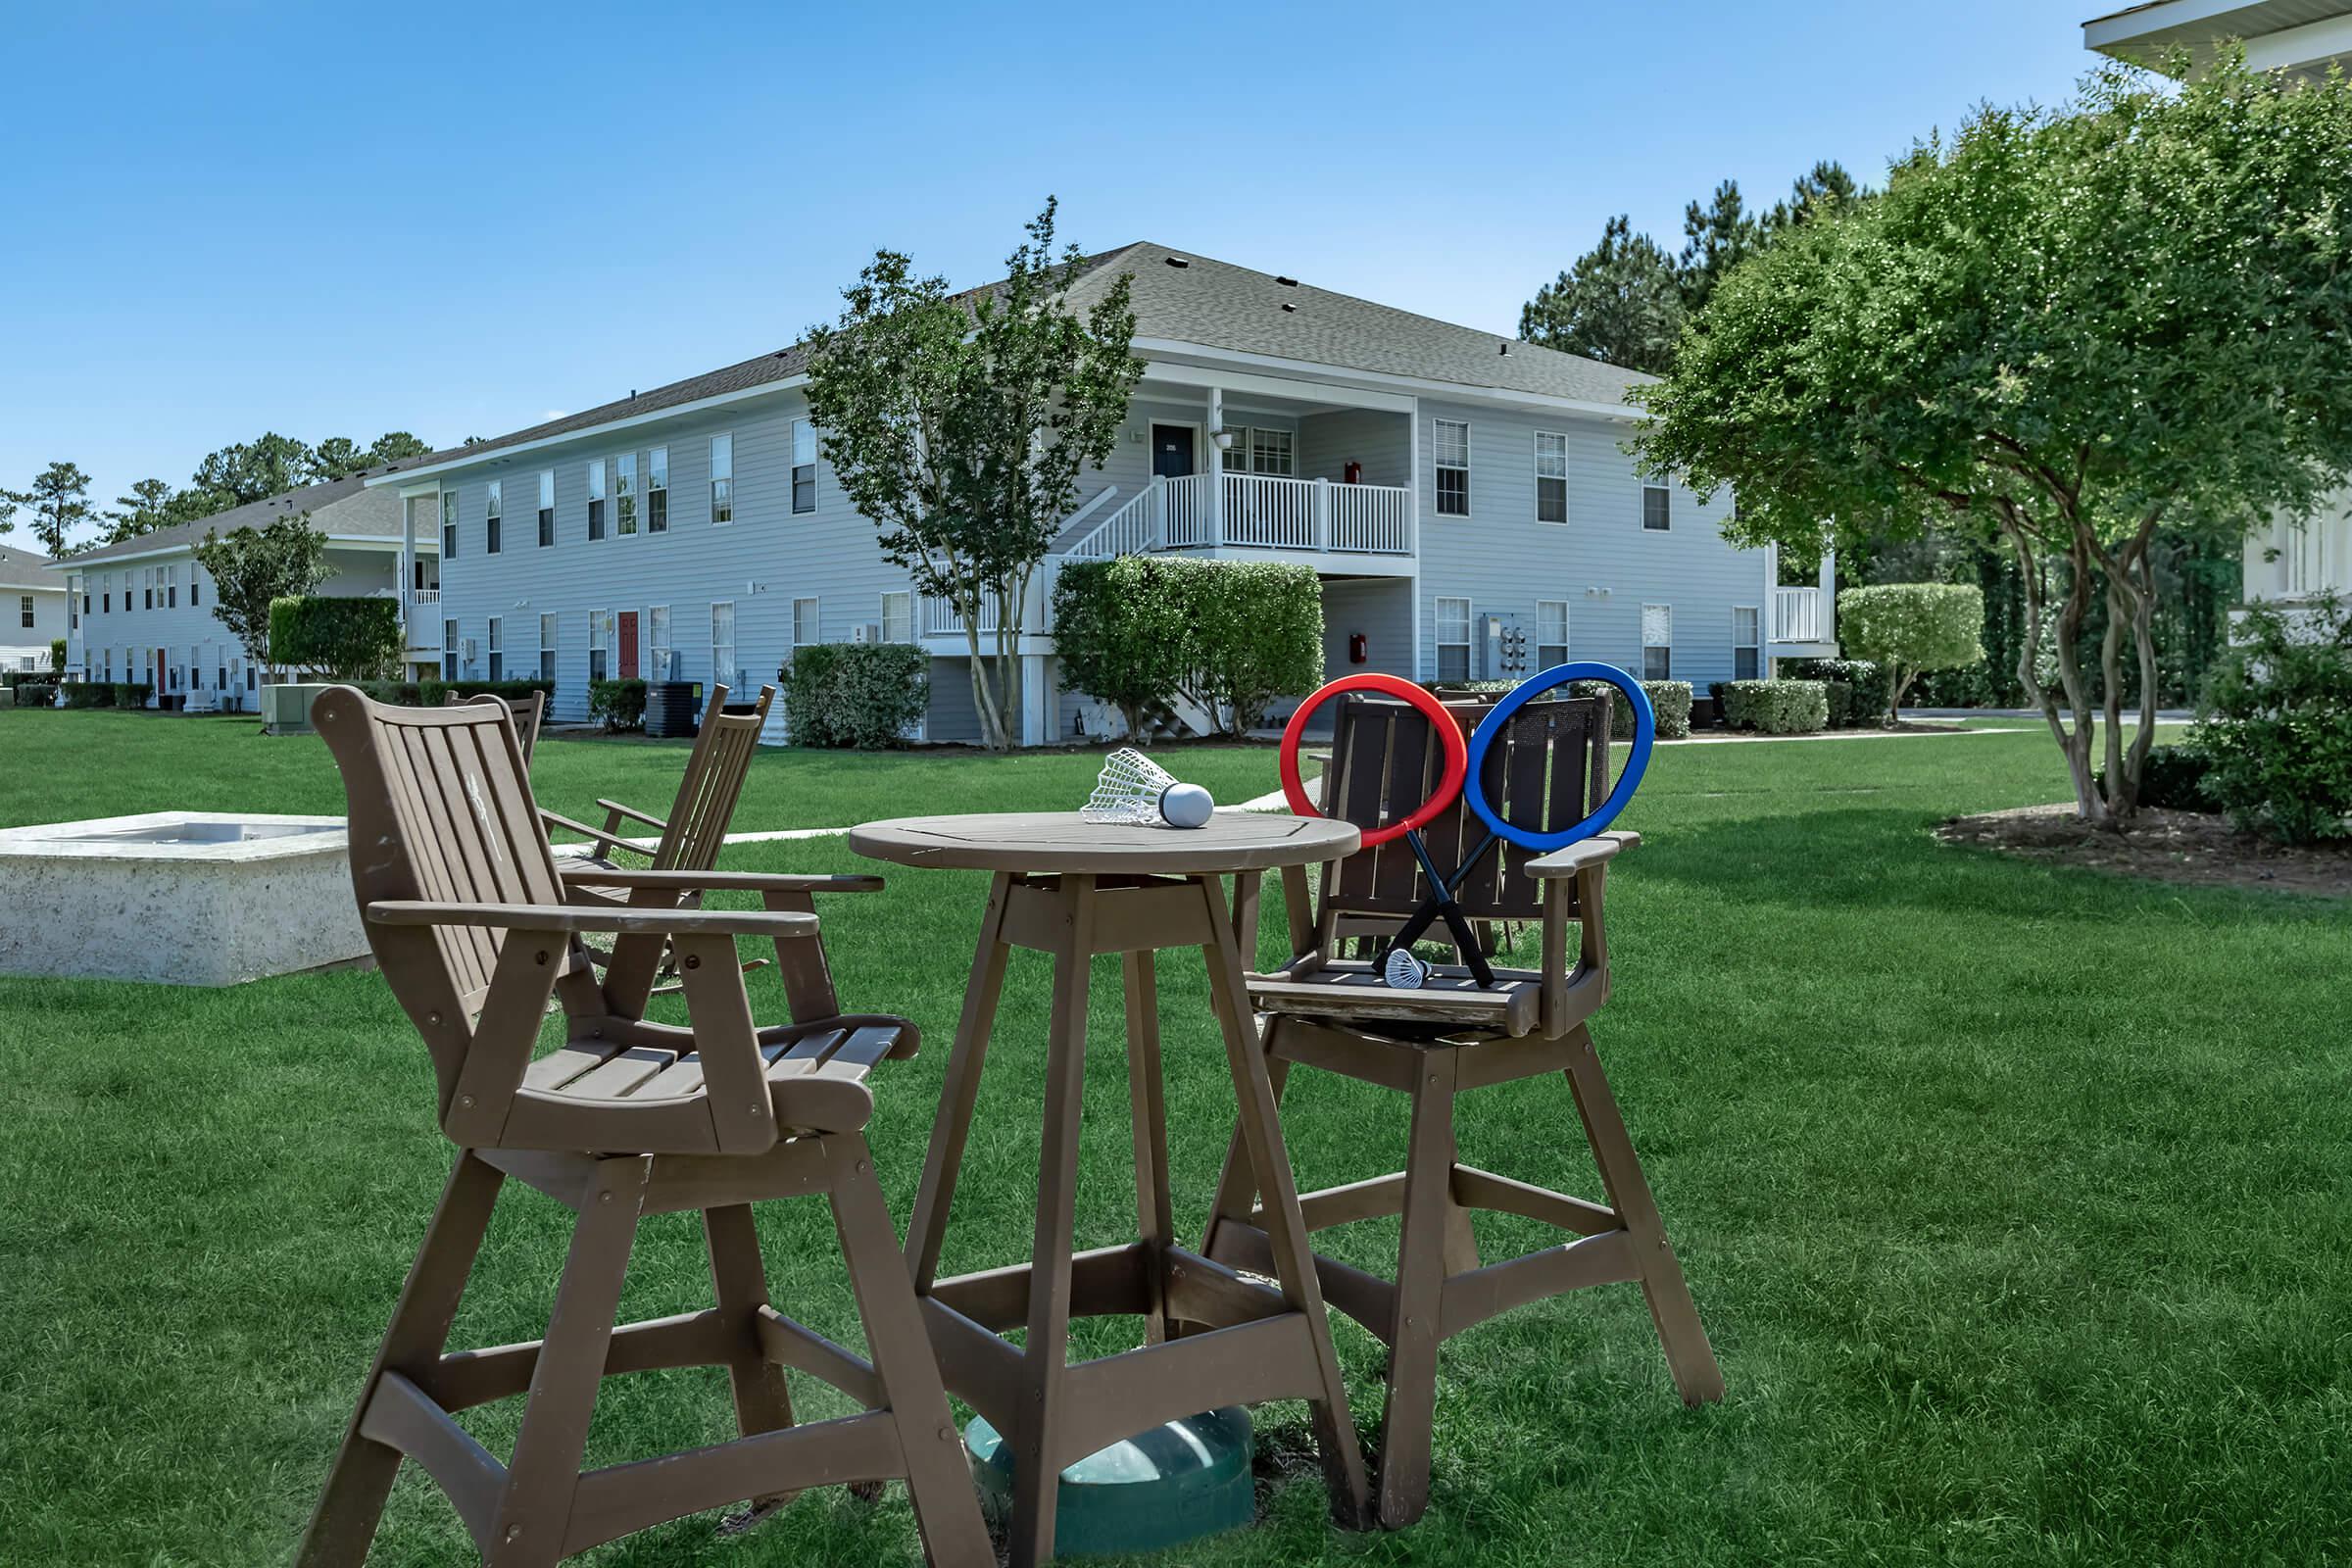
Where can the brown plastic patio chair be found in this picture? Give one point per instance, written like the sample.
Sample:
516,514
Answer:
691,837
1450,1037
477,927
527,712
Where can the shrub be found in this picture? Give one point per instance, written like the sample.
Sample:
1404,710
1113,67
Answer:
132,693
35,693
1669,701
862,696
57,659
1254,633
620,703
2173,777
343,638
90,694
435,692
1858,688
1120,633
1777,707
1911,626
2276,723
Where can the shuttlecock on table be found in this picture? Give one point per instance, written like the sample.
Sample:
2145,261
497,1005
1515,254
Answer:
1134,791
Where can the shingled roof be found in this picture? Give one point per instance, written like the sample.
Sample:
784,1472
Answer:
339,509
1181,296
25,568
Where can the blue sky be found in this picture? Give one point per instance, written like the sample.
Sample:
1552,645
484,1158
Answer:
326,220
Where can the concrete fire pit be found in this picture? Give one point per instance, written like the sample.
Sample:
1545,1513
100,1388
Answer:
184,898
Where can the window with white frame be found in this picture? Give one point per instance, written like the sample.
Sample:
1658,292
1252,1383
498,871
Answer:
806,627
449,525
1449,448
195,575
1657,508
1551,632
170,587
598,667
1747,657
547,508
657,637
494,517
498,648
722,478
723,643
804,465
550,627
1657,642
596,498
898,616
147,589
657,491
1453,639
25,610
1551,477
1272,452
449,649
624,494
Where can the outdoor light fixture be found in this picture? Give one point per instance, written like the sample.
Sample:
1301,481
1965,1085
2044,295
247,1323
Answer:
1223,439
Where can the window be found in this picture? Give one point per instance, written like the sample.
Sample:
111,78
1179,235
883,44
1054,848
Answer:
171,587
806,627
194,572
1551,477
804,465
449,525
449,649
1451,442
498,648
147,589
548,625
1657,508
1747,658
106,594
25,610
249,678
1551,632
722,478
597,665
1657,642
657,491
596,498
494,513
1269,452
723,643
624,494
657,623
1453,639
547,508
898,616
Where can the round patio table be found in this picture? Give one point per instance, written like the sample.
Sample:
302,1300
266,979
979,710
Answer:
1074,890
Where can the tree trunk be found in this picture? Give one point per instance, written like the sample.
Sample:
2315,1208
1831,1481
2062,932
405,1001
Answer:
2033,581
984,704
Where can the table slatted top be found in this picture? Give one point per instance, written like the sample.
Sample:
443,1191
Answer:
1057,840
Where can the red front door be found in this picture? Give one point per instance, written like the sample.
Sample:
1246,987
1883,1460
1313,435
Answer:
162,669
628,645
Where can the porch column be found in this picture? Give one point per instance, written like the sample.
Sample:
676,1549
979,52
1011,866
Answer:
1216,467
1037,701
1826,627
403,586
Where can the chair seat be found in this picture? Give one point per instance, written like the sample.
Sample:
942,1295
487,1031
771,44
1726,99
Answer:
815,1073
1352,989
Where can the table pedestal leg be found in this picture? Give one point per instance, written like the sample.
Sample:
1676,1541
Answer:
959,1092
1147,1110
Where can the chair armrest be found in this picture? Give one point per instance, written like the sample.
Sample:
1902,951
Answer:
553,818
578,919
633,814
1597,850
719,881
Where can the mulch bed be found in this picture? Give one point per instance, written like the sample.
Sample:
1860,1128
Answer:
2168,846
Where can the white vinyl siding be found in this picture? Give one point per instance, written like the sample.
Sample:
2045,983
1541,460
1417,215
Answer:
1551,632
1551,477
1449,447
1657,642
1453,622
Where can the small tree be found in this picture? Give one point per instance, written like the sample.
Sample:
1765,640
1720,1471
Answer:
1912,627
346,638
56,656
959,424
1256,634
1120,634
253,566
59,502
2277,722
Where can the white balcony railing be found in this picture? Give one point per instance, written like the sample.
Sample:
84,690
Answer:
1796,615
1258,511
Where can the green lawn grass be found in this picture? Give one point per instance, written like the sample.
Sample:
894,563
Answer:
2013,1196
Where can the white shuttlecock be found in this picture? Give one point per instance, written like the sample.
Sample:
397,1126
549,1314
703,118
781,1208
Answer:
1403,972
1134,791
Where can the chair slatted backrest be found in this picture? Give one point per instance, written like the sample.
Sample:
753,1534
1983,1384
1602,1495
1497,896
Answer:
1550,769
440,810
527,712
714,777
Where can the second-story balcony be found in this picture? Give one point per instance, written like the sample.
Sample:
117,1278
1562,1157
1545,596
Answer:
1255,511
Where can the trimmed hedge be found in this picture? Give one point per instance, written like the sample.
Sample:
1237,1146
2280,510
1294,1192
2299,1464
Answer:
1777,707
856,696
1913,626
90,694
1232,636
2276,723
132,693
434,693
344,638
1858,688
1120,633
620,703
1669,699
35,693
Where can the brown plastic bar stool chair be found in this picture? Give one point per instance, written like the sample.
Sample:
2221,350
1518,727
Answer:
1451,1036
476,929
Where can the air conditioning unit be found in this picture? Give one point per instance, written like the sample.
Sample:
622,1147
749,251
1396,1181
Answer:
465,650
865,632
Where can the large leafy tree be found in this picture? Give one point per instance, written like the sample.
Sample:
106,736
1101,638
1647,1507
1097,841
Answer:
2071,333
270,465
339,457
252,567
1621,303
960,423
